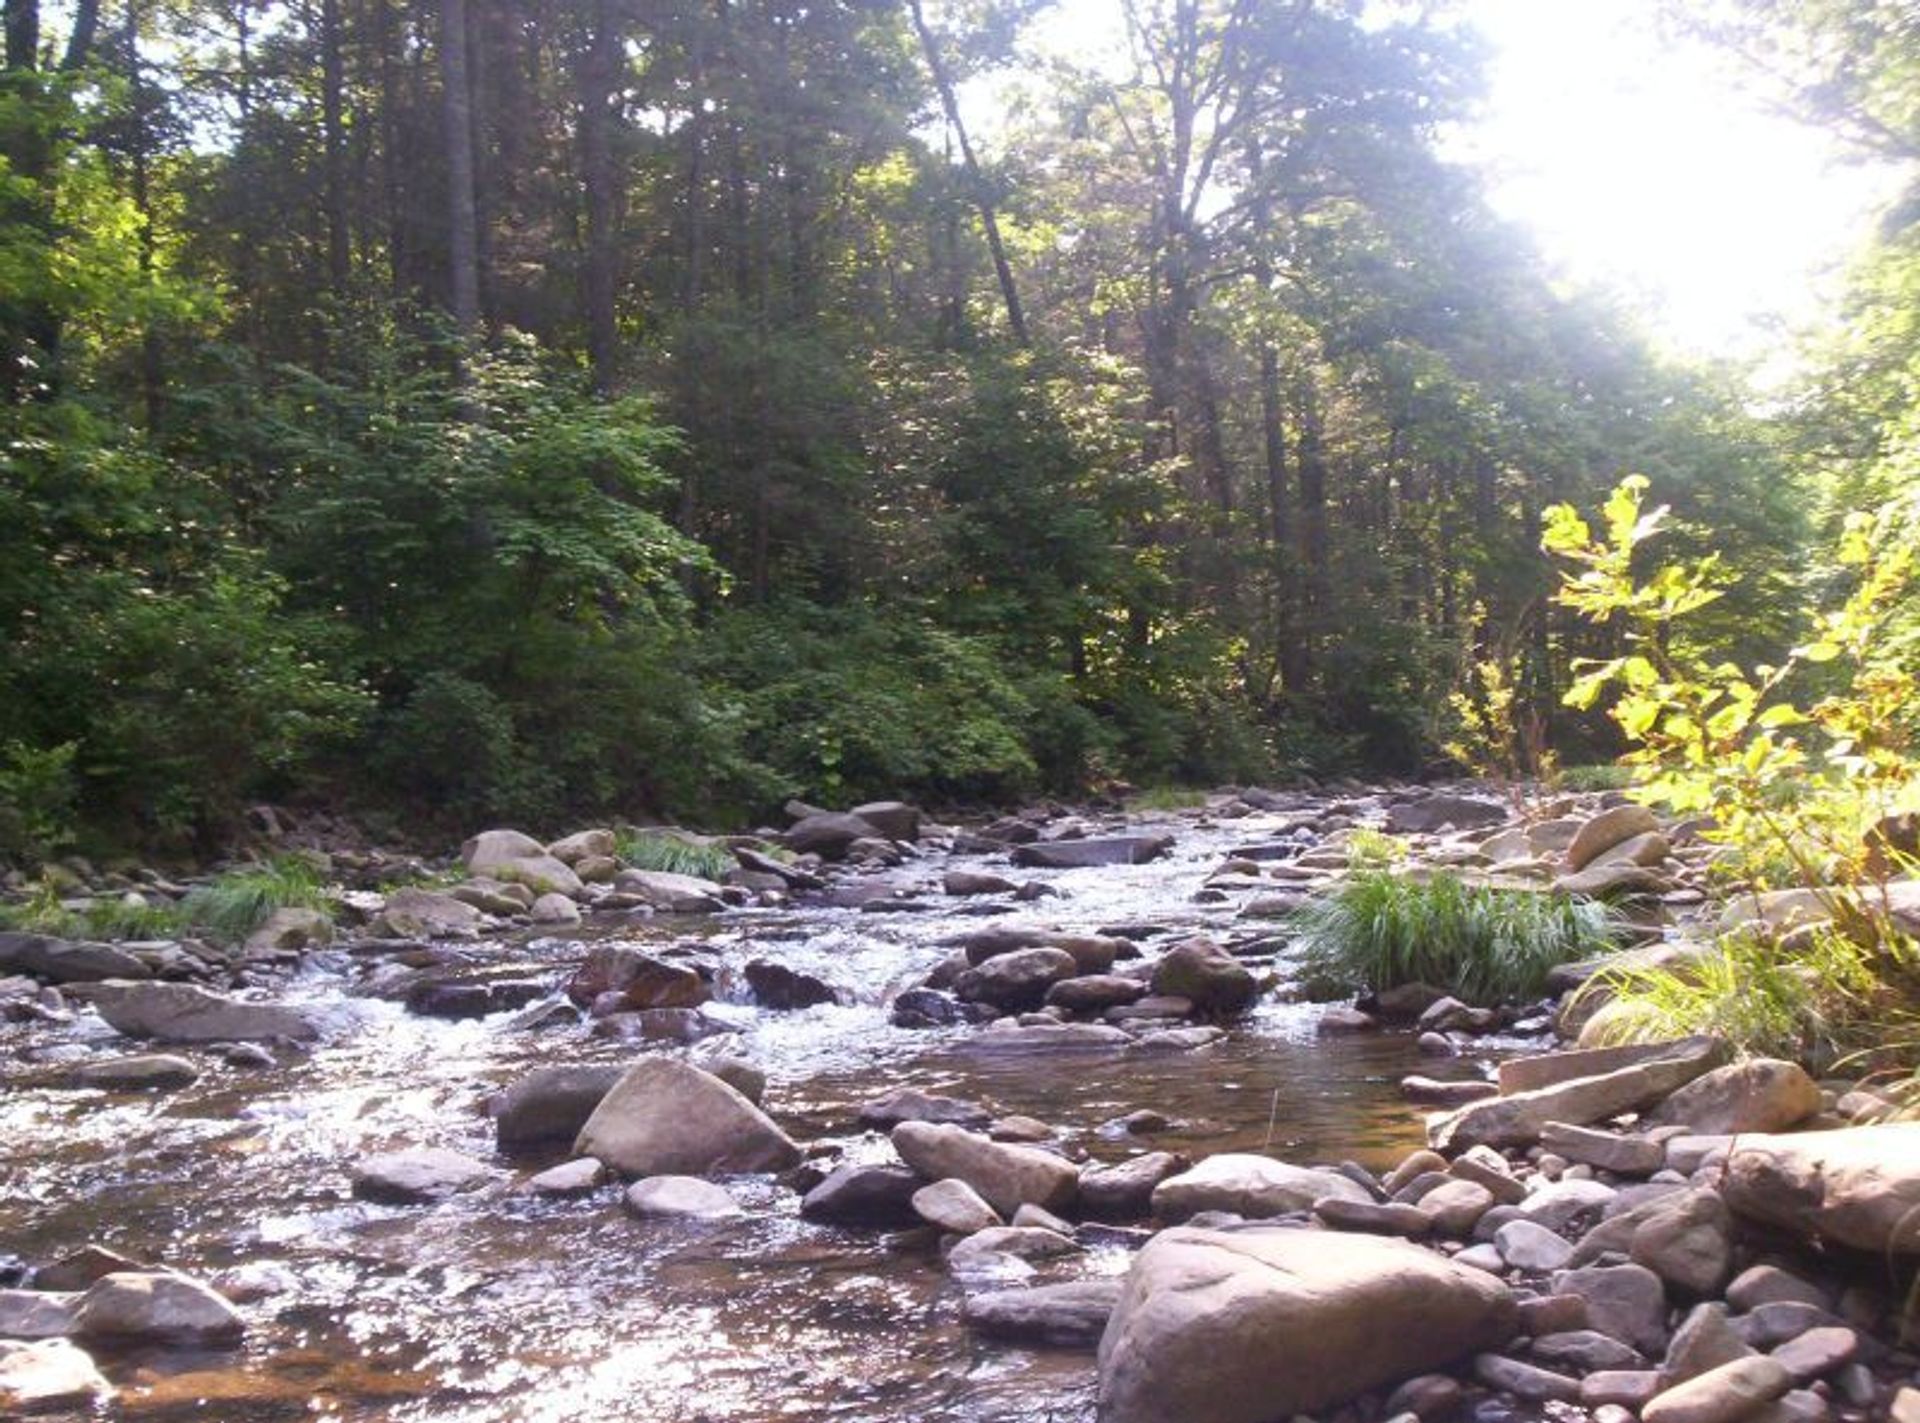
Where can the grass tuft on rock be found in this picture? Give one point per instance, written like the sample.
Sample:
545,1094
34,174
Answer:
233,905
1379,930
672,853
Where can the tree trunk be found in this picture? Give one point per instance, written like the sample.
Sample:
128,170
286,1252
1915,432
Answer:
463,258
599,72
334,136
1312,463
139,163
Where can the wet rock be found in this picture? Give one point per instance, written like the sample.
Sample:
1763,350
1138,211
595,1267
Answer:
1346,1020
290,929
1006,1038
640,980
828,834
156,1308
1071,1315
547,1107
416,1175
1207,976
680,1198
37,1313
1095,993
877,1196
48,1374
969,882
457,999
782,989
743,1076
1519,1119
152,1072
984,1252
909,1105
1151,1009
1626,1155
1246,1326
1124,1191
569,1178
1003,1174
1524,1380
1721,1395
182,1013
425,914
1858,1186
931,1008
1017,981
62,961
1627,1302
1762,1095
1611,827
1252,1186
664,1118
1433,1092
671,893
955,1207
86,1266
891,819
554,909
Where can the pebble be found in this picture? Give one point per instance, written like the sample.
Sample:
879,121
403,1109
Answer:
1773,1324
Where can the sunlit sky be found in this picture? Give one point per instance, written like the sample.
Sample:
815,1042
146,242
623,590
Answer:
1639,164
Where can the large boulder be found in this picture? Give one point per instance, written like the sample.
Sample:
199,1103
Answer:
545,1109
1859,1186
583,845
1518,1120
1763,1095
417,1175
1091,953
64,961
1248,1185
156,1307
671,893
1016,981
1613,826
894,819
641,980
1252,1326
181,1013
1088,854
1006,1176
427,914
859,1194
1436,812
828,834
48,1374
664,1118
291,929
1207,976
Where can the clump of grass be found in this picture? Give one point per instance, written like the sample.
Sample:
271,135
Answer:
44,913
1374,850
673,853
1166,798
1483,945
1827,997
1596,778
238,902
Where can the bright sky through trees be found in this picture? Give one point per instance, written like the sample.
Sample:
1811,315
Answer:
1639,164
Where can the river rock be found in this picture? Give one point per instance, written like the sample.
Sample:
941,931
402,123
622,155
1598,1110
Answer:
665,1118
783,989
893,819
671,893
1438,811
931,1008
1529,1246
1071,1315
1627,1302
156,1307
151,1072
1703,1342
910,1105
1721,1395
37,1313
1859,1186
1769,1284
1250,1326
1610,1151
466,998
569,1178
518,859
554,910
1686,1238
1005,1175
864,1195
1124,1191
1095,993
1523,1380
829,834
413,913
985,1252
1611,827
1761,1095
1607,880
547,1107
418,1174
641,980
1207,976
969,882
1017,981
1251,1186
182,1013
290,929
63,961
1087,854
1586,1351
1456,1206
680,1198
47,1374
583,845
955,1207
1518,1120
1374,1217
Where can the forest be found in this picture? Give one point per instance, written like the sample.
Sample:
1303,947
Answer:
473,410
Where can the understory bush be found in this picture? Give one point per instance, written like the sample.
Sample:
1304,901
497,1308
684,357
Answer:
674,853
1378,930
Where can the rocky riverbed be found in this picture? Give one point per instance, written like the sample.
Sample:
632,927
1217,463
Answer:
907,1121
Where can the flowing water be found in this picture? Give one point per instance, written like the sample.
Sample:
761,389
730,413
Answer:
499,1306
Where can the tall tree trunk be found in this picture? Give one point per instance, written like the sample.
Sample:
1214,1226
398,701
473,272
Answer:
333,83
599,74
486,177
989,219
22,19
1289,651
1312,465
463,258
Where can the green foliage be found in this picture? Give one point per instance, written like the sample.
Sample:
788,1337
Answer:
43,912
1378,930
39,799
1369,850
675,853
1596,778
234,904
1166,798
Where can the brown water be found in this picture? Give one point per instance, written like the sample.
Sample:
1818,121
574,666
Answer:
498,1307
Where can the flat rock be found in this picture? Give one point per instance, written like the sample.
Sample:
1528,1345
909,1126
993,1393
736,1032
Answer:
569,1178
1091,853
910,1105
1374,1217
1252,1186
182,1013
413,913
1436,812
1721,1395
1858,1186
1529,1246
37,1314
1610,1151
1250,1326
1522,1380
1071,1315
54,960
1124,1191
955,1207
680,1198
665,1118
671,893
1013,1038
1818,1352
1005,1175
47,1374
416,1175
150,1072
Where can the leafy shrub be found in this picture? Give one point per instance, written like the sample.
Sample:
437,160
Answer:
1596,778
674,853
1378,930
39,799
238,902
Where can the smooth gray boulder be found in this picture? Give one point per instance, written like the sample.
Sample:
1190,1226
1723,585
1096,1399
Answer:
37,1314
664,1118
182,1013
671,893
1070,1315
413,913
157,1307
1006,1176
417,1175
680,1198
1248,1185
66,961
1613,826
1092,853
1761,1095
1255,1325
1859,1186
